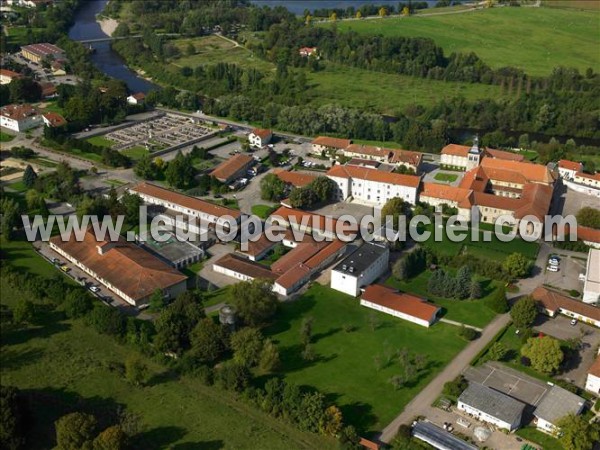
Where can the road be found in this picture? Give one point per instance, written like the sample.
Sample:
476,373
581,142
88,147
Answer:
419,404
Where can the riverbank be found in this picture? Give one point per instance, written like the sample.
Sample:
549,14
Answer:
108,26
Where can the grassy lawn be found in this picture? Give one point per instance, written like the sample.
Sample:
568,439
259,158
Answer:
385,92
213,49
44,162
115,183
101,141
22,256
344,368
471,312
386,144
53,107
533,39
494,249
5,137
215,297
18,35
262,211
65,365
18,186
193,269
446,177
534,435
136,152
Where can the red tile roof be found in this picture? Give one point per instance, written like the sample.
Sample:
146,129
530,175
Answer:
18,112
531,172
595,368
405,156
296,179
300,254
369,150
318,259
139,96
553,301
569,165
10,74
588,234
260,246
366,173
450,193
55,119
262,133
185,201
43,49
400,301
363,163
230,167
456,150
324,224
331,142
294,276
245,266
501,154
595,176
130,269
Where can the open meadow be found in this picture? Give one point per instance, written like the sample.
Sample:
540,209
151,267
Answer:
356,354
532,39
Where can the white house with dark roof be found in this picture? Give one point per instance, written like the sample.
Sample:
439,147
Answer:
360,268
556,404
488,405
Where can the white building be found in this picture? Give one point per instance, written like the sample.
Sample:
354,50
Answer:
260,137
591,286
567,169
372,186
328,144
361,268
556,404
592,383
399,304
6,76
20,117
136,99
207,213
553,303
488,405
585,183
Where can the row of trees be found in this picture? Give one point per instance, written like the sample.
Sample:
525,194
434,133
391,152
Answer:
461,286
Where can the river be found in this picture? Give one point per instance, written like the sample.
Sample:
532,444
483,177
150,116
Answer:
104,57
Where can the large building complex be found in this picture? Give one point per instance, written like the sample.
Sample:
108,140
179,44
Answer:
44,51
123,267
463,157
20,117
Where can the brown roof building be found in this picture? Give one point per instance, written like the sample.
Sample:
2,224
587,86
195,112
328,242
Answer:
329,143
232,168
553,303
123,267
294,178
54,120
37,52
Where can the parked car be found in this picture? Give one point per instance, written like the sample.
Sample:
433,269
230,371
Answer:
574,322
94,289
55,261
553,262
552,268
65,269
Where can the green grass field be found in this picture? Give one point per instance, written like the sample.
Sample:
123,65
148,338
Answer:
18,186
136,152
546,441
101,141
533,39
262,211
386,92
345,369
213,49
5,137
22,256
470,312
64,365
446,177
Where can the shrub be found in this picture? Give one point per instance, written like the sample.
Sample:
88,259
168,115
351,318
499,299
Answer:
574,293
456,387
467,333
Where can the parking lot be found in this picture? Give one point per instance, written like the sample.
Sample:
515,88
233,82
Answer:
567,201
567,276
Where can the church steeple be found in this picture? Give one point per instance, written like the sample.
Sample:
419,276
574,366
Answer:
474,156
475,147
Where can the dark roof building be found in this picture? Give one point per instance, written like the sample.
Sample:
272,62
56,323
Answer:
489,405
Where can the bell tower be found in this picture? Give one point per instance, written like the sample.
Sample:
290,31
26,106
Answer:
474,155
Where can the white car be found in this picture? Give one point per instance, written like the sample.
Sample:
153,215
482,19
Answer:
552,268
574,322
94,289
553,262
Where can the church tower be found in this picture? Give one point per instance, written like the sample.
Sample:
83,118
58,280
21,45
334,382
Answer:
474,155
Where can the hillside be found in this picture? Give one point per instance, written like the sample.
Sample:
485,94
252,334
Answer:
533,39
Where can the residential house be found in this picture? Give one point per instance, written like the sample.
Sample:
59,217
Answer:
294,178
372,186
54,120
556,404
305,52
400,304
6,76
586,183
123,267
488,405
567,169
137,98
552,303
232,168
20,117
592,383
361,268
328,144
260,137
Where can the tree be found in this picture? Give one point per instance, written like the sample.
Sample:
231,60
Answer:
247,345
157,300
475,290
331,422
589,217
77,304
176,322
24,311
302,198
12,419
577,433
358,15
394,208
10,210
75,431
255,301
544,353
382,12
272,188
29,176
455,387
333,17
234,377
180,172
269,357
136,371
349,438
306,330
463,283
497,302
209,340
190,49
323,187
145,168
517,265
497,352
524,312
406,11
113,438
467,333
400,269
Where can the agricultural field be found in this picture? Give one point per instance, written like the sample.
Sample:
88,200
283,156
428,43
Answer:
64,365
532,39
387,93
470,312
346,344
214,49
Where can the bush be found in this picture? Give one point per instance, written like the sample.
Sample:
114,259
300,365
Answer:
234,377
498,302
205,374
467,333
574,293
456,387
